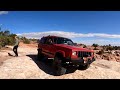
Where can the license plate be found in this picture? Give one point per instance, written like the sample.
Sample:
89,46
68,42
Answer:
85,59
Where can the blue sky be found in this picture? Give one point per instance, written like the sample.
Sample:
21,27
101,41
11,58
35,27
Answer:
102,27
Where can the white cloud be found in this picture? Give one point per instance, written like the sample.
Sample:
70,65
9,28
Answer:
100,42
3,12
104,39
68,34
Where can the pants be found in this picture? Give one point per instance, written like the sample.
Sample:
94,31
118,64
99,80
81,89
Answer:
15,50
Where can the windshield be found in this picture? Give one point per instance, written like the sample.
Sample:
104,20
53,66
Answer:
64,41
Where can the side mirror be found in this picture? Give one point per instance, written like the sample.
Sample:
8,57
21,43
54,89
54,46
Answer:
50,43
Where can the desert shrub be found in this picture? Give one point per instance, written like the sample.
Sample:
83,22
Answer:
116,47
109,47
25,40
6,38
3,41
95,45
34,40
0,46
101,52
11,41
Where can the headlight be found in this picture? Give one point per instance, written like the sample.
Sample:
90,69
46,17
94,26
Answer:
92,54
74,53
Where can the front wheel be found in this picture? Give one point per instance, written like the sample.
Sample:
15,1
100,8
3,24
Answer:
84,67
59,69
71,69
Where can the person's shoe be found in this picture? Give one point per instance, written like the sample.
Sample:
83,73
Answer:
15,56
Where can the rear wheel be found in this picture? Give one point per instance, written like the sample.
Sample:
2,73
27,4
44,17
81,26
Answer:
57,64
40,55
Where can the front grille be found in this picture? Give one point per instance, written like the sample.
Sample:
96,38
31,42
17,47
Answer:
84,54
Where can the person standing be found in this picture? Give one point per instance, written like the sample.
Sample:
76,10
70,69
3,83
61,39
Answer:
16,46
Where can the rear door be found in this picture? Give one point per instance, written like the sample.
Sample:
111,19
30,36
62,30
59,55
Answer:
52,48
45,46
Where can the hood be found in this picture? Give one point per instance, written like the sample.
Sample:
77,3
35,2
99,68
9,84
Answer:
73,48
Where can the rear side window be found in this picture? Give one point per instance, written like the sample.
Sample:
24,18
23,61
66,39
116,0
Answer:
48,40
43,40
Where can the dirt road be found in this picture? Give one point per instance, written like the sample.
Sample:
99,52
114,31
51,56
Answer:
26,66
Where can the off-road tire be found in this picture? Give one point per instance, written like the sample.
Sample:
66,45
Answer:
40,56
71,69
59,69
84,67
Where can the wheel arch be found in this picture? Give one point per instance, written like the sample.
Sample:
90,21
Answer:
60,53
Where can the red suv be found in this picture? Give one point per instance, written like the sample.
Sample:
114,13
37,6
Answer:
65,55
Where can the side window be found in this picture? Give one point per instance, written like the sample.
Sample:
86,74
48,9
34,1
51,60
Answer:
49,40
60,40
43,40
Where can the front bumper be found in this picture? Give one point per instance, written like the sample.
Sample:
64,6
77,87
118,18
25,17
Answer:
78,62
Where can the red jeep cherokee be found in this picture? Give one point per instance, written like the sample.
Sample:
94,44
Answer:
66,56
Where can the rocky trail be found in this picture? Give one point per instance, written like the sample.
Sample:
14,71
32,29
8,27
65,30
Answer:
26,66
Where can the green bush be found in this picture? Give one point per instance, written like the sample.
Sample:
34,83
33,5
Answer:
6,38
25,40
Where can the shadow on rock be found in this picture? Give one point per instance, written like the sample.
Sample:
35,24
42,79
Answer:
45,64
